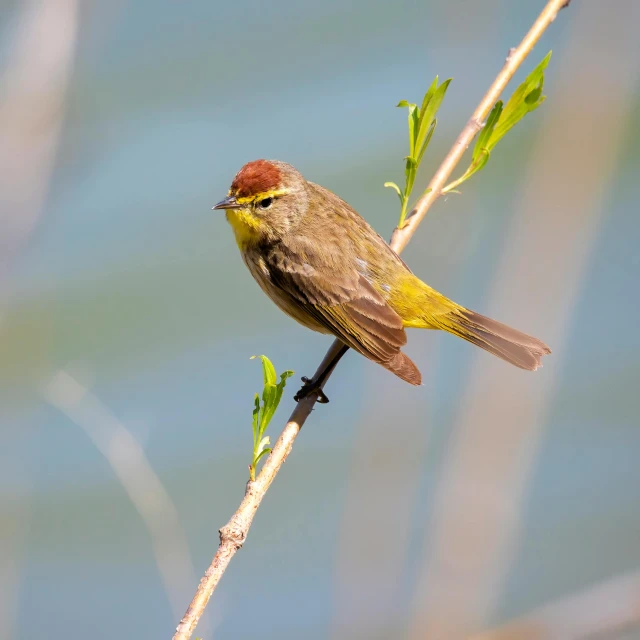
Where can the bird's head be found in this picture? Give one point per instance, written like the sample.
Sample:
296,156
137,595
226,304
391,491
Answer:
266,199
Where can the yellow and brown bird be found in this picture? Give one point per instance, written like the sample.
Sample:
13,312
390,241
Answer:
323,265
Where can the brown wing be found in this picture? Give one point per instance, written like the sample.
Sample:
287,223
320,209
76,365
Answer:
344,302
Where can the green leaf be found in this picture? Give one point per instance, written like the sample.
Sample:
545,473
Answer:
256,417
269,407
269,373
263,412
428,95
430,108
478,165
413,119
534,96
284,376
393,185
271,396
474,167
422,124
264,452
525,99
409,170
264,443
427,140
269,393
487,131
413,128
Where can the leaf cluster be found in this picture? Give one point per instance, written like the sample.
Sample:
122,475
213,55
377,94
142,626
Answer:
263,412
502,118
422,124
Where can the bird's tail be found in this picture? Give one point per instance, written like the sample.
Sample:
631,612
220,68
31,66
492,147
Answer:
509,344
404,368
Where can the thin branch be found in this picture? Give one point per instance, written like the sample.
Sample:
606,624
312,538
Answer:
516,57
234,533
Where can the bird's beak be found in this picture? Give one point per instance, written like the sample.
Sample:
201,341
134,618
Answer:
227,203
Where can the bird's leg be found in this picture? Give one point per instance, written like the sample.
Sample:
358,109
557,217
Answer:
314,385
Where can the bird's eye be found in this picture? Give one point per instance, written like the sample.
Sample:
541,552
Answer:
265,203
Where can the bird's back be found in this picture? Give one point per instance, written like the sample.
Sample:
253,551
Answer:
361,248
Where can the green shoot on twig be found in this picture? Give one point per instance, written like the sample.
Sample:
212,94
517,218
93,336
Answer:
422,124
525,99
262,413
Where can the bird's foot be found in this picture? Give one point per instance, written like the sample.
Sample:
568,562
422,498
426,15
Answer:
311,386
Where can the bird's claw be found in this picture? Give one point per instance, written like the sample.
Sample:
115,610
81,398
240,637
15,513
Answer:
310,386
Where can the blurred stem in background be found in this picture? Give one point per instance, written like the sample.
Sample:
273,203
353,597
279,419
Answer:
233,534
498,430
32,103
607,610
33,92
132,468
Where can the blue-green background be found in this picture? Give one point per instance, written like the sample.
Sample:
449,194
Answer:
130,281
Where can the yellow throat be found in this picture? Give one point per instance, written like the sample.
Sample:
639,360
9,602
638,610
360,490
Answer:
245,226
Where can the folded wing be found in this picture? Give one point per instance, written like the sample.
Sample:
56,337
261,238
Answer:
344,302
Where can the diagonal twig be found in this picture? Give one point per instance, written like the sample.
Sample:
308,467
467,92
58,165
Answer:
234,533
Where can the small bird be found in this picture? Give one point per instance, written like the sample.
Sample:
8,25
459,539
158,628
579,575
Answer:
324,266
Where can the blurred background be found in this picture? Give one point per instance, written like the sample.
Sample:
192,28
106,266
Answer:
489,503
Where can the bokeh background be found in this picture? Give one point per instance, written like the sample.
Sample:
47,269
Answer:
488,501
